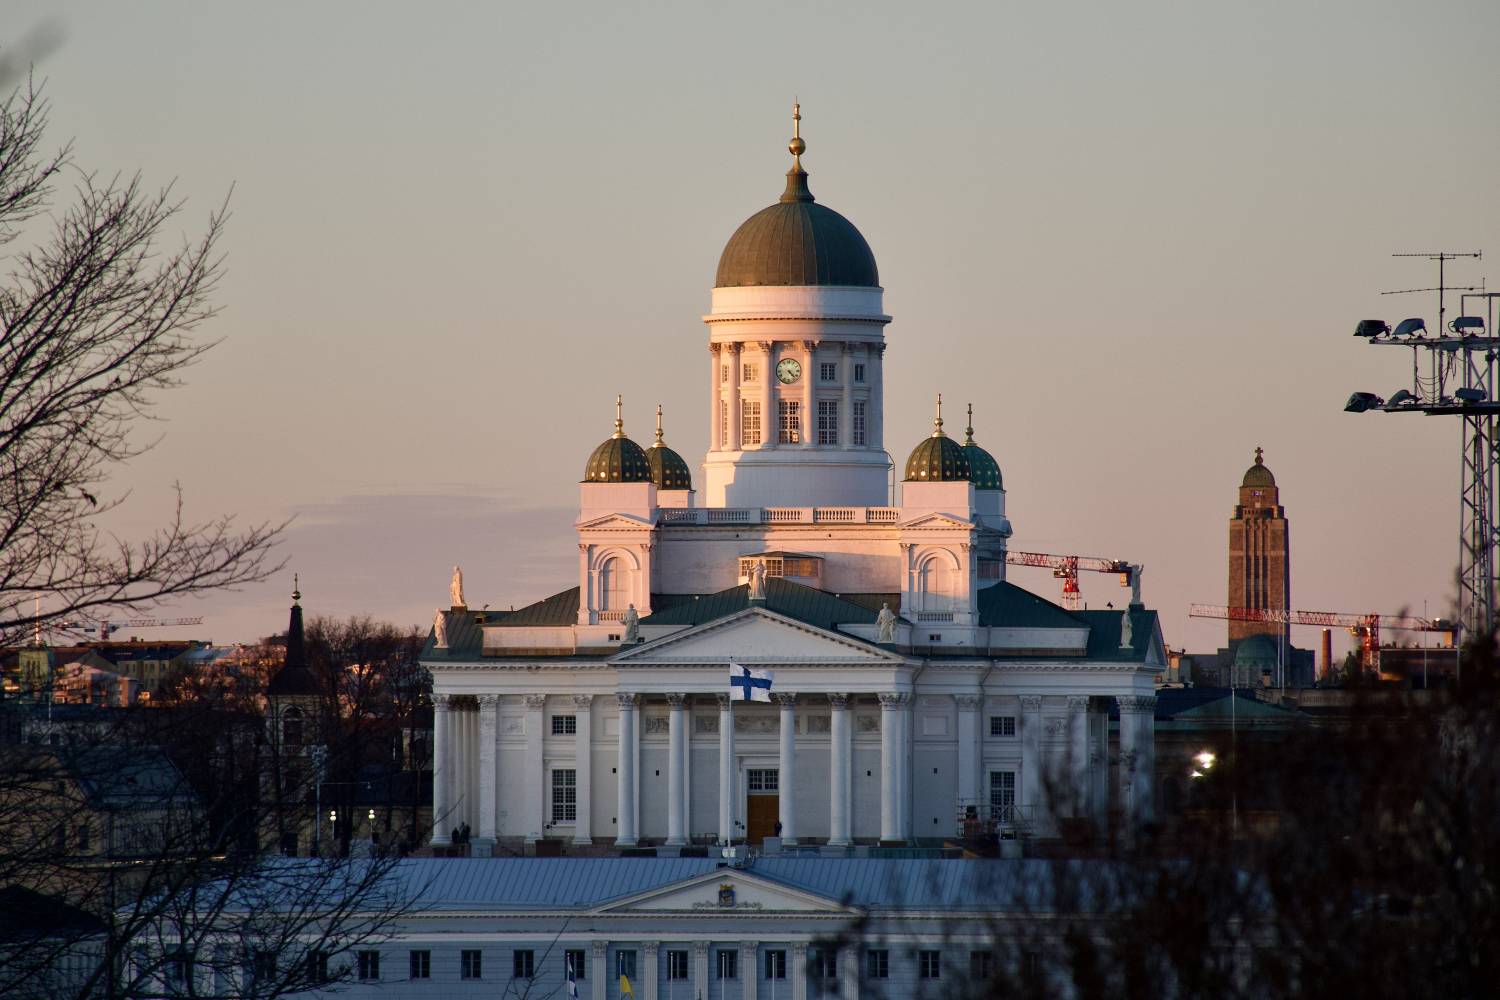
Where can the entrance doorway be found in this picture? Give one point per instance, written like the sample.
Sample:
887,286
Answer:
762,803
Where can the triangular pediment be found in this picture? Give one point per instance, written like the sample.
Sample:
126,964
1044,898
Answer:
937,521
755,635
606,522
726,891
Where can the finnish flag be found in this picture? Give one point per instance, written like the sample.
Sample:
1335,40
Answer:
749,684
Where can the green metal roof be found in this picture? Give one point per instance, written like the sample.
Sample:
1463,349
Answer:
617,460
809,605
938,459
559,609
984,471
668,470
1005,605
1104,633
797,242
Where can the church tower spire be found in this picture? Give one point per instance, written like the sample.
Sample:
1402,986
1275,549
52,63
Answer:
1259,553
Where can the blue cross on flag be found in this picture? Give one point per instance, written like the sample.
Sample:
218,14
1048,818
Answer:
749,684
572,980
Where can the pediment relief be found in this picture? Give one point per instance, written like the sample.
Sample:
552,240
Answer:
755,635
727,891
938,521
613,522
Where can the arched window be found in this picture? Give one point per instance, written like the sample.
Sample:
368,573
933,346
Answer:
291,727
936,585
614,585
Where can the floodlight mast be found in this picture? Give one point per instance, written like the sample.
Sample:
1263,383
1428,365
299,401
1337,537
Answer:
1470,344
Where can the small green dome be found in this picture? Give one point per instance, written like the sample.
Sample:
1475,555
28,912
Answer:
668,470
1258,475
984,471
938,459
619,459
1256,651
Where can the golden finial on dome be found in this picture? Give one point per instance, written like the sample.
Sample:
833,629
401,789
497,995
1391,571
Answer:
296,589
797,147
619,421
969,430
658,443
937,423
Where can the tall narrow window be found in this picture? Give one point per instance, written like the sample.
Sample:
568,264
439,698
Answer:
614,585
1002,795
564,795
791,421
421,964
859,373
936,583
677,964
776,964
930,964
724,373
728,963
828,371
859,423
724,424
750,372
575,963
749,422
828,421
523,964
369,964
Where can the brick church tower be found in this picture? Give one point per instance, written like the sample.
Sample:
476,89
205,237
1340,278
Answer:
1259,554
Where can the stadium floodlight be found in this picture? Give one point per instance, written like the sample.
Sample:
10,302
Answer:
1469,395
1465,324
1359,402
1410,327
1372,328
1400,396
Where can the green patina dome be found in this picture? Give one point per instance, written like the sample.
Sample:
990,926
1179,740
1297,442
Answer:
939,458
1258,475
668,470
1256,651
984,471
619,459
796,241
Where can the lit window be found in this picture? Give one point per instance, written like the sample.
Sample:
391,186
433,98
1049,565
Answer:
749,422
859,422
791,421
828,421
828,371
564,795
564,725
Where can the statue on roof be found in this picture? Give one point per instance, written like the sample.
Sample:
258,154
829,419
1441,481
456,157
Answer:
1127,631
456,588
632,621
885,624
758,580
440,629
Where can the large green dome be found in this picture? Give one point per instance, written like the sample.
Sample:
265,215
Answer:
939,458
984,471
668,470
796,241
618,459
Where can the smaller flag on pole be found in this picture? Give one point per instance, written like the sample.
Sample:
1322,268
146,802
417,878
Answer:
572,980
749,684
625,990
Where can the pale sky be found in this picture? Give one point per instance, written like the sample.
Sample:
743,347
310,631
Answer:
1137,236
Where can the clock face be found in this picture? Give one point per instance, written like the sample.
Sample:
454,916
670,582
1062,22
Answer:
789,371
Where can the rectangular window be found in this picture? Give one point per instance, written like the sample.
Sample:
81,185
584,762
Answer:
989,569
262,965
877,964
828,421
859,373
317,966
724,441
1002,794
421,964
470,964
791,422
859,423
930,964
728,964
828,371
565,725
677,965
83,836
564,795
522,964
749,422
573,962
750,372
368,963
762,779
981,966
724,374
1002,725
179,969
823,963
775,964
625,963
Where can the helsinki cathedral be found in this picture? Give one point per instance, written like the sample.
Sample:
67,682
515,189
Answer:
915,693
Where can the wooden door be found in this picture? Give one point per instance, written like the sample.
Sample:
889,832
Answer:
762,814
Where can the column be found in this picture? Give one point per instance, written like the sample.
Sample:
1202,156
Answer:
749,970
849,972
787,776
677,771
625,771
700,968
840,761
651,969
535,767
846,392
733,356
798,971
970,750
458,760
441,821
716,396
876,377
489,711
599,971
583,764
809,393
890,778
1078,754
767,396
904,768
1031,794
727,770
1137,758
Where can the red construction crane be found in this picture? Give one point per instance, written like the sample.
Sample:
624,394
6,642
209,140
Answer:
1366,627
1066,568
